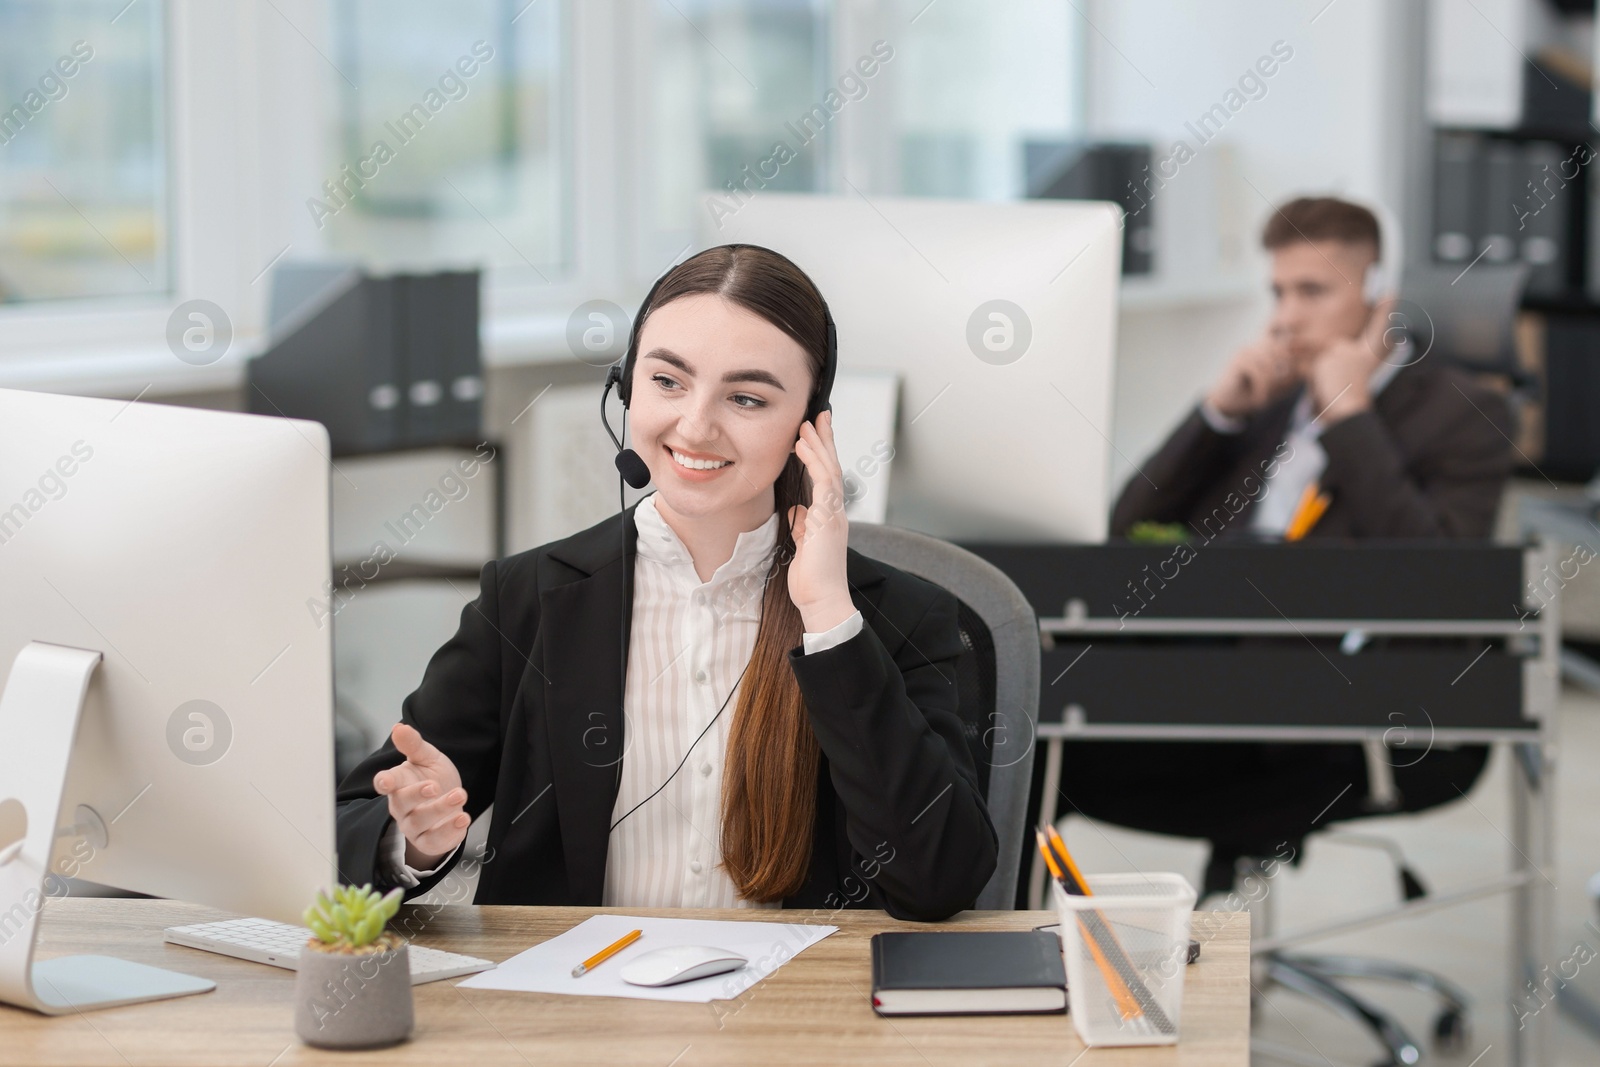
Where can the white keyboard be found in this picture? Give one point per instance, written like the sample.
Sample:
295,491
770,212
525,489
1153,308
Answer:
279,944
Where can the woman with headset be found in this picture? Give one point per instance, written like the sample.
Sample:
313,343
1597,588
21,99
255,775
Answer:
775,721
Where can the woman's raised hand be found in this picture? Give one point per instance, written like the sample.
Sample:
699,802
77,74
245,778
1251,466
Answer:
425,798
817,582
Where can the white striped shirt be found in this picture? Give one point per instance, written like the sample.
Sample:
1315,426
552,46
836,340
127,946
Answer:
689,642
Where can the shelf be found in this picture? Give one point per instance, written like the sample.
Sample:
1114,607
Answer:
1155,294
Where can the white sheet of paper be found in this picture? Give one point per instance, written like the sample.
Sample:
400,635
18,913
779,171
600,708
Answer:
547,967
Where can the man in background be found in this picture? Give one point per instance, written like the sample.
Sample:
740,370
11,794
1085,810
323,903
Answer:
1331,425
1332,403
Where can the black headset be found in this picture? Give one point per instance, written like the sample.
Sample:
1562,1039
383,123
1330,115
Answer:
633,470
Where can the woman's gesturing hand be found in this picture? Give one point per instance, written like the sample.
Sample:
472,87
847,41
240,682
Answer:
425,798
817,582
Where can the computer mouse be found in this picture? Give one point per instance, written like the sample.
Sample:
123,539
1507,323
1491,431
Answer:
679,963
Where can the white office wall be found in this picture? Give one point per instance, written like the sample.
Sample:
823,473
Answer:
1165,357
383,637
1341,115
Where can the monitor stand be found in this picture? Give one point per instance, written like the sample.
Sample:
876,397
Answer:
39,713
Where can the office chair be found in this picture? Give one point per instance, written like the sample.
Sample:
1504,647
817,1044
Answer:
1316,976
998,679
1469,318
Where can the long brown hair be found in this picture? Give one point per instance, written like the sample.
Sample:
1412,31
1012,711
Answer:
769,788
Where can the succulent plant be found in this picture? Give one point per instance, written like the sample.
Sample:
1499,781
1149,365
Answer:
1145,532
354,917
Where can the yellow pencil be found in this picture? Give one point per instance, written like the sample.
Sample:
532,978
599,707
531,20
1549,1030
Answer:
606,953
1313,502
1127,1005
1066,859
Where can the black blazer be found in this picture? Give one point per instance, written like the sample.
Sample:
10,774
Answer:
1429,459
525,700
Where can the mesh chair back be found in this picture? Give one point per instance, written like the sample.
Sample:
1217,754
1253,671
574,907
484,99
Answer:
998,678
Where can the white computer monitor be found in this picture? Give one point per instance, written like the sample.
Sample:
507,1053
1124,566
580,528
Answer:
189,550
1000,319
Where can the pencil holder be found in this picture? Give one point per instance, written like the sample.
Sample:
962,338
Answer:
1126,946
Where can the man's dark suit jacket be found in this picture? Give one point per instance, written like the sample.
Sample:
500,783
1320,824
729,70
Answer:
1429,459
525,699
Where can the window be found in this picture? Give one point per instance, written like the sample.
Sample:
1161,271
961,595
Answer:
449,142
730,81
563,146
899,98
83,175
974,82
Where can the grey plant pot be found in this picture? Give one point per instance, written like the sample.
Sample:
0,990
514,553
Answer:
353,1001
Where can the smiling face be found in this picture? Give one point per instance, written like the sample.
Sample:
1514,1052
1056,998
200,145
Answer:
724,388
1318,291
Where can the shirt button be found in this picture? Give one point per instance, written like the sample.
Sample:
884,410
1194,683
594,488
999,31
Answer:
700,598
666,537
695,866
705,768
700,676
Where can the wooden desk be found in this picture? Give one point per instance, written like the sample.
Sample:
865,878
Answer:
813,1010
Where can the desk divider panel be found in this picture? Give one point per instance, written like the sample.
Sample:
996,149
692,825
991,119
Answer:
1373,580
1216,640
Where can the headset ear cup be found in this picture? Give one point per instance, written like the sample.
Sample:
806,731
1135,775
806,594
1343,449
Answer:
617,378
1383,276
1374,284
821,401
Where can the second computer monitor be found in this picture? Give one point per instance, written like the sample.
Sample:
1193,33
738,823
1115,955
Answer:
1000,320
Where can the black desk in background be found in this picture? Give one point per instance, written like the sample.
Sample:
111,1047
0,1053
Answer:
1400,644
1148,640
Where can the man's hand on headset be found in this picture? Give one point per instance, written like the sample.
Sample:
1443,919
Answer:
1341,376
1258,374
